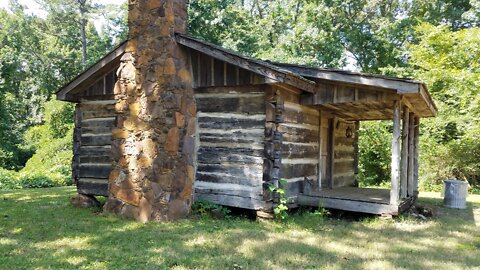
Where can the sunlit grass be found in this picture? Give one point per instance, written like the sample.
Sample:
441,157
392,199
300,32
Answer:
40,230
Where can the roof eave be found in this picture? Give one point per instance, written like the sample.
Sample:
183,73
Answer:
428,100
74,85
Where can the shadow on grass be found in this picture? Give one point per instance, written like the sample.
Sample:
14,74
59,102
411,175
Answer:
39,229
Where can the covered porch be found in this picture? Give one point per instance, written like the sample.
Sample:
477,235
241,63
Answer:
363,200
404,103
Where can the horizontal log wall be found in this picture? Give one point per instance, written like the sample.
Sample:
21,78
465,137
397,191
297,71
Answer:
344,156
300,147
231,123
93,138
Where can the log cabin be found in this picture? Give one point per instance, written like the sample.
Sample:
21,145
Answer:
166,119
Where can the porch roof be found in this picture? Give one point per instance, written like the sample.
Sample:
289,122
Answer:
360,96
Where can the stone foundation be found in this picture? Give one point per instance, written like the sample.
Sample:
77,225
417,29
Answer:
153,143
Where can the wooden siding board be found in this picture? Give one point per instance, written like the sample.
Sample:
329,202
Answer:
207,122
229,189
94,150
208,72
95,159
298,170
229,104
97,187
95,170
229,200
219,73
96,140
308,150
231,75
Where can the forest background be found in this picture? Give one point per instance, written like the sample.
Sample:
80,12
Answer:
436,41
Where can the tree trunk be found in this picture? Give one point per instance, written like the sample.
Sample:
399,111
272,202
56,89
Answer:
83,25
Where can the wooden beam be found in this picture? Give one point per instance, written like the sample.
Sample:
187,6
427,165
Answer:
415,155
320,150
401,85
410,106
336,94
356,147
404,160
411,135
395,174
77,136
331,149
348,205
428,100
257,66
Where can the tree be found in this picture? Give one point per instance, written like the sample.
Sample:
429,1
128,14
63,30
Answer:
38,56
449,62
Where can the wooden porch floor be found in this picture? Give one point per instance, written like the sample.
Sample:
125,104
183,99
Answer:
363,200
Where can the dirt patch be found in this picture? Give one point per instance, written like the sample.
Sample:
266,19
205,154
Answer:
423,211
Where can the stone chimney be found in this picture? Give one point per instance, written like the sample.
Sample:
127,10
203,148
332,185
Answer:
153,142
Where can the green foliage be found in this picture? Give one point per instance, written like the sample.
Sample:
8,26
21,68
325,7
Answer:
53,144
374,153
280,30
58,121
8,179
38,56
36,179
321,212
207,210
281,207
449,63
40,180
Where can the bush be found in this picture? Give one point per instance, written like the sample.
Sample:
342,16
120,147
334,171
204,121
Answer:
50,166
53,160
457,159
8,179
51,163
441,156
40,180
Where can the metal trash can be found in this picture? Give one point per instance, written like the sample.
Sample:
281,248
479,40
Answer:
455,194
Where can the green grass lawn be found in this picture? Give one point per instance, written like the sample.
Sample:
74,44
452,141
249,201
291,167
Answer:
39,229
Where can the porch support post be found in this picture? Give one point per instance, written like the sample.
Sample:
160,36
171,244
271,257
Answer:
415,155
395,174
331,152
411,142
321,177
404,162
